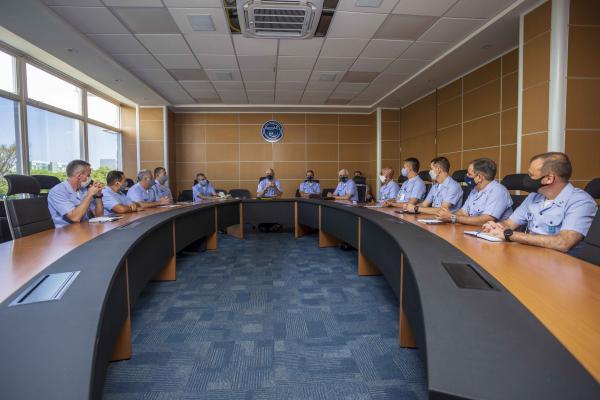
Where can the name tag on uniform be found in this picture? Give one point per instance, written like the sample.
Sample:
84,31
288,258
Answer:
401,197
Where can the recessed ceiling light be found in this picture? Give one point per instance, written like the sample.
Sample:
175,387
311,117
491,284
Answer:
203,23
224,76
368,3
327,77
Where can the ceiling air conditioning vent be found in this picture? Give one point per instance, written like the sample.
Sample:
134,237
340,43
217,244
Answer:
290,19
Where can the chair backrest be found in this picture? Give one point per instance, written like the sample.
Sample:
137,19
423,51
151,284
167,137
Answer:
516,182
22,184
425,176
324,192
262,178
459,176
46,182
402,179
130,183
593,188
26,216
297,193
362,193
590,248
240,193
360,180
186,195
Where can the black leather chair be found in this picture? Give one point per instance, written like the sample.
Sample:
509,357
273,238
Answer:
402,179
186,195
46,182
360,180
459,176
324,192
5,235
593,188
297,193
240,193
516,182
130,183
590,247
26,215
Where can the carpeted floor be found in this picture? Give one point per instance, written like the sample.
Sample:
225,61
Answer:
268,317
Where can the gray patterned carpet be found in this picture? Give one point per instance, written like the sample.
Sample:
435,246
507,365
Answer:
268,317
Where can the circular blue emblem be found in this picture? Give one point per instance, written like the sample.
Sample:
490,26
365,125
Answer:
272,131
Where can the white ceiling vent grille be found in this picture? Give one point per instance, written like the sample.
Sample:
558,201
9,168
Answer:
279,19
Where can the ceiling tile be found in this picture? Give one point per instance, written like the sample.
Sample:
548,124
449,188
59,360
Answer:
406,66
228,85
343,47
137,61
254,47
434,8
343,95
289,62
316,94
290,86
334,64
221,74
257,62
354,25
78,3
321,86
208,100
359,77
258,75
91,19
147,19
384,7
177,60
293,75
384,82
198,86
334,101
164,44
404,27
119,43
183,17
451,29
478,8
381,48
153,74
305,48
259,85
327,76
215,61
370,64
425,50
194,3
202,43
172,90
233,96
351,87
261,96
133,3
187,74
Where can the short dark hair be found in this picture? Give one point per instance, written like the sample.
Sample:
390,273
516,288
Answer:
358,172
414,163
158,170
75,166
486,167
442,162
556,163
114,176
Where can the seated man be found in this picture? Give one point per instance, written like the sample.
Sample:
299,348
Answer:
488,200
269,187
557,216
445,192
160,180
309,186
203,189
346,188
75,199
115,201
143,193
389,188
413,189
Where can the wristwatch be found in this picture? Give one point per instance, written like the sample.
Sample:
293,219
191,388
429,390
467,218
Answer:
453,218
416,209
507,234
98,196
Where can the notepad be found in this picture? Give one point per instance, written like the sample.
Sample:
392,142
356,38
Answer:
170,205
374,206
431,221
104,219
482,235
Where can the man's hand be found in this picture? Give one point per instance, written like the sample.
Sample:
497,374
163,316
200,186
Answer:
444,214
95,189
133,207
491,225
164,201
410,207
497,230
330,194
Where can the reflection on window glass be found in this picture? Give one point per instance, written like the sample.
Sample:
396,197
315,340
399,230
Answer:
49,89
103,110
8,139
104,150
54,140
7,73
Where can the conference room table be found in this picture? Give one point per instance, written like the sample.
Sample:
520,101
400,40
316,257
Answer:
490,320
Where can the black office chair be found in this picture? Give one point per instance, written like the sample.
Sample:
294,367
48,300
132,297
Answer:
297,193
360,180
130,183
590,247
46,182
240,193
5,235
516,182
185,195
427,179
593,188
459,176
324,192
262,178
26,215
402,179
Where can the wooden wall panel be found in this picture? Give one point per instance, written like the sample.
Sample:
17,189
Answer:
152,138
129,141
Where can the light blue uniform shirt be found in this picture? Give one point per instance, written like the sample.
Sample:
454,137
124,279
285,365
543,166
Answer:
493,200
62,199
310,187
200,190
346,188
140,195
572,210
110,198
161,191
270,192
414,188
388,191
448,191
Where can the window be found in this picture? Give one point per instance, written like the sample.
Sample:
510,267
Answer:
104,150
54,140
9,123
49,89
8,80
103,110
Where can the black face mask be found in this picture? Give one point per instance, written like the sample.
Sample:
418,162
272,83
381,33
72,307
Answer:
270,177
310,178
343,178
533,185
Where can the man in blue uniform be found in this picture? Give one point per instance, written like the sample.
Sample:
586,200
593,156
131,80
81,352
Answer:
413,189
488,200
269,187
160,184
389,188
143,193
203,189
77,198
309,186
115,201
346,188
557,216
445,192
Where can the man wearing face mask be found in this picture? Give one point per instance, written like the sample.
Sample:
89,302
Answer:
488,200
389,188
115,201
160,180
346,188
203,189
77,198
557,215
413,189
445,192
269,187
143,192
309,186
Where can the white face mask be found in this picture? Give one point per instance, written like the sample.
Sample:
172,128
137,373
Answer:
404,172
87,182
432,174
382,178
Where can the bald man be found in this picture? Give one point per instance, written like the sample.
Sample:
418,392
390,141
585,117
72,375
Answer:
389,188
346,188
